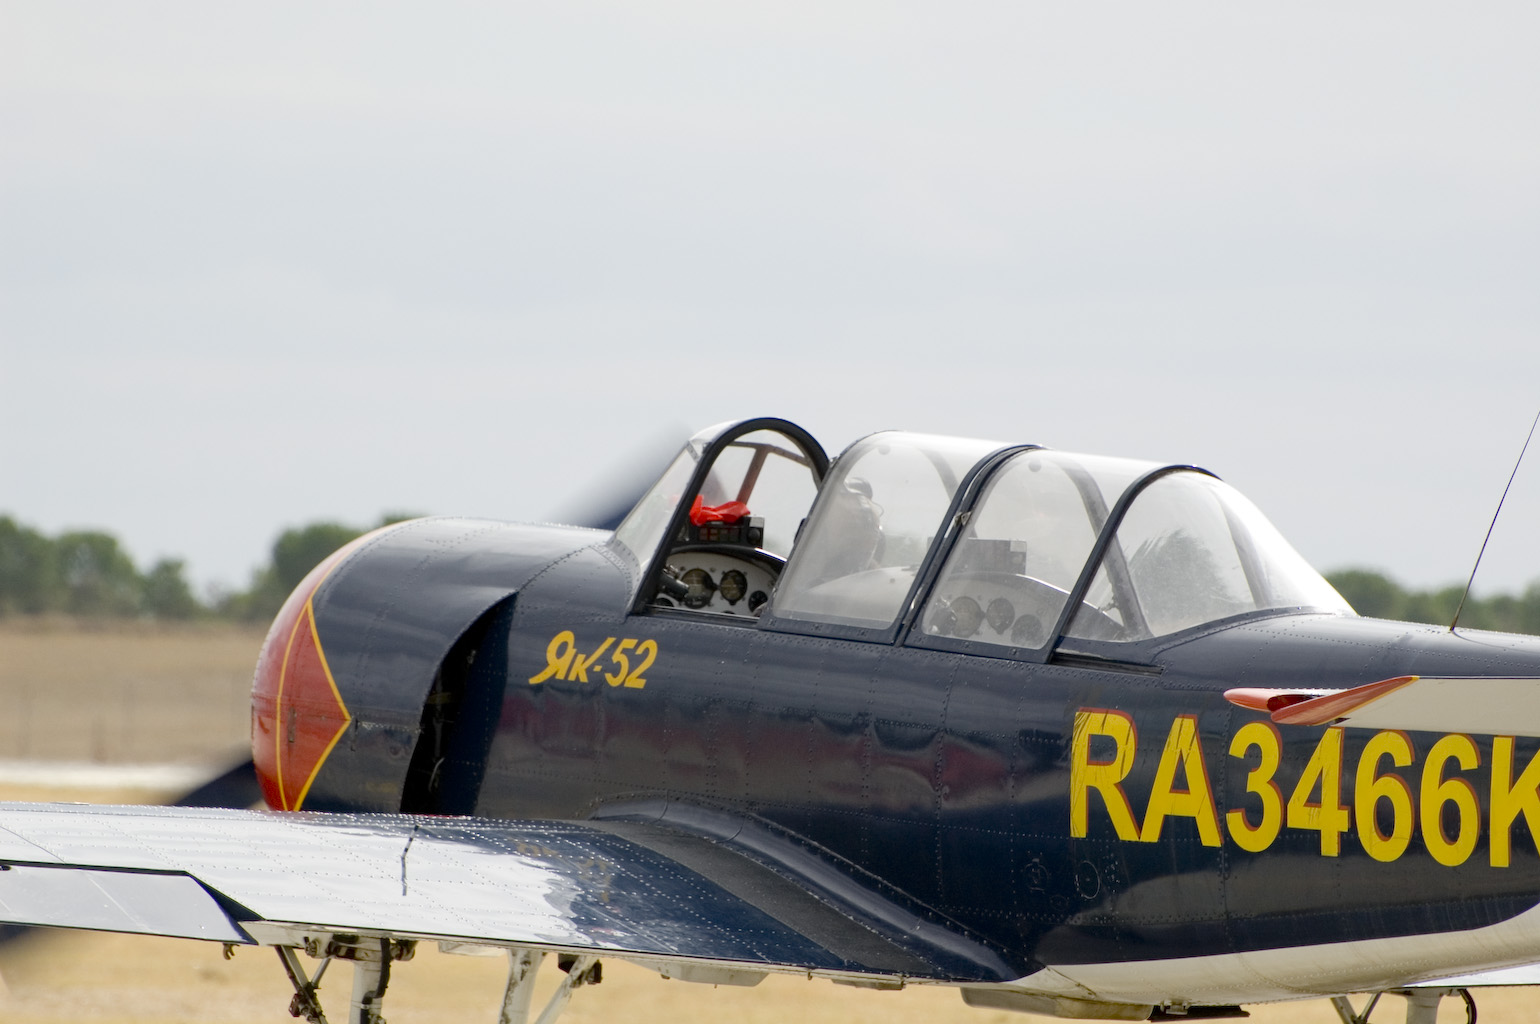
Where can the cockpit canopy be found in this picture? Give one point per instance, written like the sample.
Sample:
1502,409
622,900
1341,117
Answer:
1187,549
965,543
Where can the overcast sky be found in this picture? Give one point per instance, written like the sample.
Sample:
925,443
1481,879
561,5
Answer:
267,264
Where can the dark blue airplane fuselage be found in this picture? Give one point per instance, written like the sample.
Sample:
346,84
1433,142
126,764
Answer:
1105,804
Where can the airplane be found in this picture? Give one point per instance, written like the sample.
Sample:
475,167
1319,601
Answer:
1079,736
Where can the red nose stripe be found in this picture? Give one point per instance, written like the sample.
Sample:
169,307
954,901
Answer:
297,713
312,717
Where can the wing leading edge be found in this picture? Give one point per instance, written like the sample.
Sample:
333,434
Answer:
625,889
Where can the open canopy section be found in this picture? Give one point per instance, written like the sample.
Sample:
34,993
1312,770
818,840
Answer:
713,533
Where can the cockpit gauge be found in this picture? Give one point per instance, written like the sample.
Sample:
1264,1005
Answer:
968,617
1029,632
734,585
700,588
1000,614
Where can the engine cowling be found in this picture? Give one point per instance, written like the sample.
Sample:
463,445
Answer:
346,669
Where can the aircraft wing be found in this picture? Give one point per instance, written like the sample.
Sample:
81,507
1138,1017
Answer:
630,889
1487,705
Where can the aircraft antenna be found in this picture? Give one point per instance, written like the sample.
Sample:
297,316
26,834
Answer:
1493,525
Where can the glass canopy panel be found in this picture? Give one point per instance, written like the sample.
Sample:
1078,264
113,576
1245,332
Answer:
644,526
1193,550
882,506
1027,540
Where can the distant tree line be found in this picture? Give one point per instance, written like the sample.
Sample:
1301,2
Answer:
1378,596
86,573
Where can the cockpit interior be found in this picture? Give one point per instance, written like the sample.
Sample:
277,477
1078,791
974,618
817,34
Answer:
965,544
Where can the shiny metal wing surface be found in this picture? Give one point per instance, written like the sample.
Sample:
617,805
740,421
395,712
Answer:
582,886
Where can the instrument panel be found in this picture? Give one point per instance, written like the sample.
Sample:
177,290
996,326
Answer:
720,581
1009,609
998,608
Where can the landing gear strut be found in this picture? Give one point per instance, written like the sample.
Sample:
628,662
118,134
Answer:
371,974
1421,1005
522,967
372,958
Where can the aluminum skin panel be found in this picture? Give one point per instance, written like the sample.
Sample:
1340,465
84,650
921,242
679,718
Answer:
625,888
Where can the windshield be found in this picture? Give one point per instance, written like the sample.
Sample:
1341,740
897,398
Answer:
643,528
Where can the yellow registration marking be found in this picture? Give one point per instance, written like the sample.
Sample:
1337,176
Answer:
1389,797
1262,737
1371,788
564,661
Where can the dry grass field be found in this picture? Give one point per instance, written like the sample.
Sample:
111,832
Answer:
125,693
135,694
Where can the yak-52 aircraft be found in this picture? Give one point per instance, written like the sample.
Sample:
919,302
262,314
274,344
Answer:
1077,735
